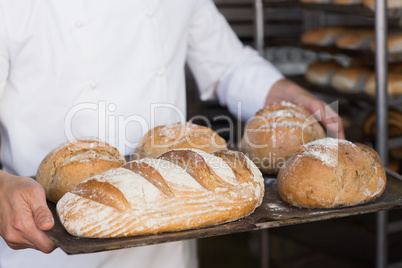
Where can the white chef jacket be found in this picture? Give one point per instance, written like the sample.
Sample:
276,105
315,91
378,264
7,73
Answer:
113,70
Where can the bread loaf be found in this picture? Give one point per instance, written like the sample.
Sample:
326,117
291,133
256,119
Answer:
394,43
276,132
391,4
180,189
316,1
324,36
394,124
394,84
329,173
346,2
357,39
63,168
320,73
350,80
177,135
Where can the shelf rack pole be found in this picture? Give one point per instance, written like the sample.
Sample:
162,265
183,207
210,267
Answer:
382,120
259,26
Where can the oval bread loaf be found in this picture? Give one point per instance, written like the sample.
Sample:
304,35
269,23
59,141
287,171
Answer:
63,168
178,135
329,173
276,132
181,189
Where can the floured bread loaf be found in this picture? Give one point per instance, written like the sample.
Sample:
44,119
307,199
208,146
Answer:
63,168
180,189
177,135
320,73
329,173
276,132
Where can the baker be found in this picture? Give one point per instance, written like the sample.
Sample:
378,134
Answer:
89,68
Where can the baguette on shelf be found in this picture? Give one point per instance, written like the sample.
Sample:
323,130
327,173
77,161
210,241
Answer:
350,80
391,4
394,84
323,36
320,73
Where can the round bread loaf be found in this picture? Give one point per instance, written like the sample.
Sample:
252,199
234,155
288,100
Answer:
177,136
63,168
276,132
330,173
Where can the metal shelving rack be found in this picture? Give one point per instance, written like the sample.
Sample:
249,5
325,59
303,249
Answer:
381,57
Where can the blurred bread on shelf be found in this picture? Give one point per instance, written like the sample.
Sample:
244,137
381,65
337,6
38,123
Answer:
394,42
346,2
395,68
324,36
391,4
356,39
394,84
320,73
316,1
394,124
350,80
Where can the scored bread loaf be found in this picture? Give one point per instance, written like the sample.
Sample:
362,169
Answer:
180,189
324,36
394,84
329,173
67,165
320,73
357,39
276,132
178,135
350,80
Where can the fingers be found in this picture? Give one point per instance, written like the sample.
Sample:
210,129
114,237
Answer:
289,91
328,117
24,214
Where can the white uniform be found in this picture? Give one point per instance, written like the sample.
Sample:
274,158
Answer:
112,69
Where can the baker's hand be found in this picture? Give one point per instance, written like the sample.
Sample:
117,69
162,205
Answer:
24,214
289,91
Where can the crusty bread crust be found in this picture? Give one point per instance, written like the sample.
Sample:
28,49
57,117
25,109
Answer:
330,173
198,190
276,132
177,135
63,168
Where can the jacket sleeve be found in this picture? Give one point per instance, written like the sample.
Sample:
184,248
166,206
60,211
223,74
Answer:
4,57
223,67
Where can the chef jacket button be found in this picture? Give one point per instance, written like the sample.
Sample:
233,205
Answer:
79,23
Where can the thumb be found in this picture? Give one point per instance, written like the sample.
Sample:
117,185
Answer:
43,218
